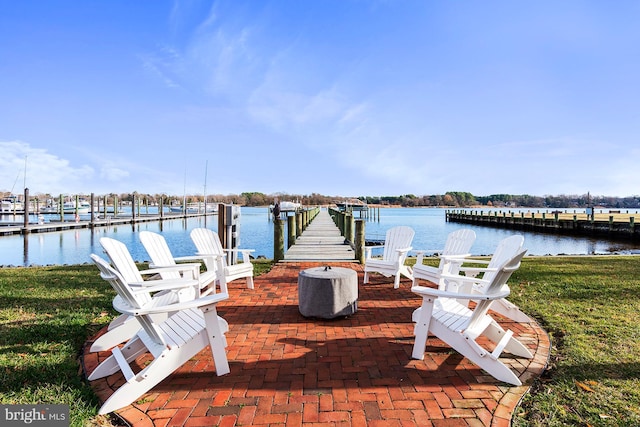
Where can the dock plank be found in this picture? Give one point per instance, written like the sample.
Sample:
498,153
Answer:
320,241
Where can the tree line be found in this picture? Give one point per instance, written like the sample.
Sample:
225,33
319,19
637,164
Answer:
449,199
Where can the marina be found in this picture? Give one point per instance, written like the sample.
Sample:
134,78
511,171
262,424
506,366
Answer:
256,231
52,223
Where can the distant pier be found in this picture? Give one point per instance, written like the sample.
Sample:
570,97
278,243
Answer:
18,227
612,225
27,216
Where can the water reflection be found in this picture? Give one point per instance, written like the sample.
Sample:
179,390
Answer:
25,250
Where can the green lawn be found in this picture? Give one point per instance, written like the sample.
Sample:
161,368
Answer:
589,305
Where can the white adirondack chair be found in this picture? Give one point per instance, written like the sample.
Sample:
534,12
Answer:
190,327
460,327
181,283
455,250
505,250
397,245
208,245
160,254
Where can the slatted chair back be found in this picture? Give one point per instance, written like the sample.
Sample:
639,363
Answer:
159,252
133,299
208,243
120,258
459,242
507,248
498,282
399,237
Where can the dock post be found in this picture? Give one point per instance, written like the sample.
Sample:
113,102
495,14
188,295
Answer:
61,207
278,239
26,211
359,240
134,202
349,227
291,230
298,223
222,229
92,211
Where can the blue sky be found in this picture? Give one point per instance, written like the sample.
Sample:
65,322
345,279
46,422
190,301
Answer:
337,97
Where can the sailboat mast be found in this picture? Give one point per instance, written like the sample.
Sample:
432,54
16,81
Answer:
24,183
206,164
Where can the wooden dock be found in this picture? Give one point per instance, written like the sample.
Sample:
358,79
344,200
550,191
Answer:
9,228
321,241
610,226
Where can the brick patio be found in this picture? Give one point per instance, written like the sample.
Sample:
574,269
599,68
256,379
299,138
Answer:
287,370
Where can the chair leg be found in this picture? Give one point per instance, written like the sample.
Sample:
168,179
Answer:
109,366
495,333
421,328
510,310
223,285
217,339
160,368
121,333
118,321
472,351
250,282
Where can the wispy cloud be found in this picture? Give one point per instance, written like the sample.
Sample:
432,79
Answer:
164,65
45,172
113,173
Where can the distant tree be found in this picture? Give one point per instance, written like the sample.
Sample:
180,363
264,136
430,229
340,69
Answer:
448,200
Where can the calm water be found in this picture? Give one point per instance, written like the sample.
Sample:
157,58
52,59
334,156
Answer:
256,232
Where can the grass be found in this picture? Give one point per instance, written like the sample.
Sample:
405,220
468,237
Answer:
46,316
589,305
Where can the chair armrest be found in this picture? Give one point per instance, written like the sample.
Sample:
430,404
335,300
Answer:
463,279
470,260
162,285
244,252
203,255
436,293
374,247
193,268
155,268
194,303
368,250
194,257
420,255
456,257
402,253
474,271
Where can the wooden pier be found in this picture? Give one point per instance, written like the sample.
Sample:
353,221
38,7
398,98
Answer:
7,229
610,226
321,241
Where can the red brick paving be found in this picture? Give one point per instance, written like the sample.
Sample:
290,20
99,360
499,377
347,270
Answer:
287,370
